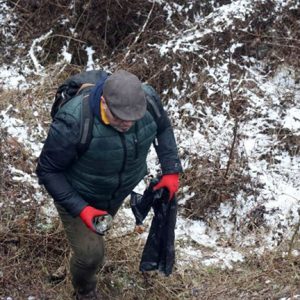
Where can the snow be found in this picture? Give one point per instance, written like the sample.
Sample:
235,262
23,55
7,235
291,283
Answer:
292,119
90,62
11,78
19,130
290,298
66,55
36,48
280,194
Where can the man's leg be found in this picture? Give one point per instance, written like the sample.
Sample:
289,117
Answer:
88,252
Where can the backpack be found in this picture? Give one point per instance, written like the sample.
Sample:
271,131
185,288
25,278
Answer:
74,86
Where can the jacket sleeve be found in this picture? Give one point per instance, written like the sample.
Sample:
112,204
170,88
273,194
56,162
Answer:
165,143
57,155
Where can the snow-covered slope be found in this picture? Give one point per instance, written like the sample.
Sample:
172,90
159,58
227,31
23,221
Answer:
235,106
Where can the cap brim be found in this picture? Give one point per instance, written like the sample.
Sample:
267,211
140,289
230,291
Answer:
129,113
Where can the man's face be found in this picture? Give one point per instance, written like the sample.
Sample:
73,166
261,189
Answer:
114,121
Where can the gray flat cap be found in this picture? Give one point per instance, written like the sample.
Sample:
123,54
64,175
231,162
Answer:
125,96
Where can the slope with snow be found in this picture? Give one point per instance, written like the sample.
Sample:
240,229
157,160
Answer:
268,130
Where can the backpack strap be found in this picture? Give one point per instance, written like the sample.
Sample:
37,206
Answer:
87,118
86,126
84,86
152,99
153,108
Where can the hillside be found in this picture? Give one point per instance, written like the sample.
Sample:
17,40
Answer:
228,74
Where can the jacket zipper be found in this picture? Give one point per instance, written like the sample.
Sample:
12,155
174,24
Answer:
136,141
123,163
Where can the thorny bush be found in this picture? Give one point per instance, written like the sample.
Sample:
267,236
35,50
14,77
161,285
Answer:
114,29
123,34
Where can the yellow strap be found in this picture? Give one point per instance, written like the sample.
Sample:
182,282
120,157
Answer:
103,114
102,111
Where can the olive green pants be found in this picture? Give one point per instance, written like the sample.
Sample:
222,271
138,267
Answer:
87,251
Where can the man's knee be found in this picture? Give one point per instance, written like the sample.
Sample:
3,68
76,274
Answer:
90,255
88,262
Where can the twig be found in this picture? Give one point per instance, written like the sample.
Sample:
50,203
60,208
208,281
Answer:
35,61
139,34
165,286
291,244
106,24
235,128
67,37
78,20
121,236
270,37
19,6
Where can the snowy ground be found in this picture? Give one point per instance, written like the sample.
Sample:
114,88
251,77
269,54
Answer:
201,241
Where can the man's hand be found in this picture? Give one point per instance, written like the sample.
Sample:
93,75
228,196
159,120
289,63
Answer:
88,214
169,181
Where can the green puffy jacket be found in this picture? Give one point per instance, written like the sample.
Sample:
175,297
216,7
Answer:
113,164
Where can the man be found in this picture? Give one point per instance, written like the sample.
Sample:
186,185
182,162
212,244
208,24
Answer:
96,183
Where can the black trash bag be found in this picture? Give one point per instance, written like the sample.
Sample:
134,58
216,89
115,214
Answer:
140,205
159,250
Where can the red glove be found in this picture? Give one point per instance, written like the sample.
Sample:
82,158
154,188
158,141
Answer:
88,214
169,181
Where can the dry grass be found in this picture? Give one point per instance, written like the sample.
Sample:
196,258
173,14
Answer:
32,253
34,261
34,256
30,257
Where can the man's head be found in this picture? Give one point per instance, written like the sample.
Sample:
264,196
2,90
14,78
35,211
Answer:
112,120
124,96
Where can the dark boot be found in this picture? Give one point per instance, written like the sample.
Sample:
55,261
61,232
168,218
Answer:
92,295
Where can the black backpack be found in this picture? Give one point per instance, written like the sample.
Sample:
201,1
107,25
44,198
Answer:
79,84
73,86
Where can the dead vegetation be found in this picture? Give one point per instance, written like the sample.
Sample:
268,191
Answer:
34,263
123,33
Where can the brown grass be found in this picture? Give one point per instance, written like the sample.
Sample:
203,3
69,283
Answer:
30,257
34,261
34,256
